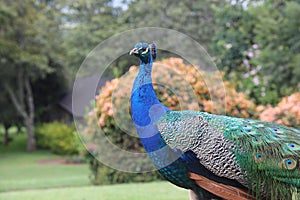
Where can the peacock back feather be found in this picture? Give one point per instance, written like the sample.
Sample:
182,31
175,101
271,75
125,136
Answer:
262,156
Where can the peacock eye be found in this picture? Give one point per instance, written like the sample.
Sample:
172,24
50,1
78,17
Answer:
289,163
258,157
144,50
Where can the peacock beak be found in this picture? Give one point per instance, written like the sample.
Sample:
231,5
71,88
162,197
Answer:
134,51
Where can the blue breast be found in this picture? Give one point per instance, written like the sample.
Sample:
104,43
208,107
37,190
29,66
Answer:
146,109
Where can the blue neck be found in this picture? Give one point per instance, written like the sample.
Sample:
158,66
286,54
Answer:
146,108
144,78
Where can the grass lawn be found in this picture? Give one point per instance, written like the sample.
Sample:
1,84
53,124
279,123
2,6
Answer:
20,170
23,178
145,191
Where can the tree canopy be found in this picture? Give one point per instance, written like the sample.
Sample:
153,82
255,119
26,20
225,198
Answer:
30,48
259,47
44,42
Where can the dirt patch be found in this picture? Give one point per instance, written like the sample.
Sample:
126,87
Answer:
60,161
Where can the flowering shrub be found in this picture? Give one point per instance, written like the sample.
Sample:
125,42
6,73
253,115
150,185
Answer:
287,112
176,84
179,86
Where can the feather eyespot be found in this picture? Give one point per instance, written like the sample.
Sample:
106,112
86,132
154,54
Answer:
289,163
278,130
256,140
258,157
293,145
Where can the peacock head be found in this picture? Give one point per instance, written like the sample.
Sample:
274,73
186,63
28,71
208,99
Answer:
144,51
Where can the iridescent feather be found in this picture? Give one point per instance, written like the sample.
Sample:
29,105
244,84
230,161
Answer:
262,156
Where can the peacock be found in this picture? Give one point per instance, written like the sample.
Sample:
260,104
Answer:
214,156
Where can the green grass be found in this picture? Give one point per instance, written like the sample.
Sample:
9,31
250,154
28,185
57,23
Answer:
145,191
20,170
17,145
23,178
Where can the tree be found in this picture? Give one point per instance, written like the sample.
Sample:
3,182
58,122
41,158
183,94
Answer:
194,18
258,46
277,33
90,22
29,47
8,115
87,23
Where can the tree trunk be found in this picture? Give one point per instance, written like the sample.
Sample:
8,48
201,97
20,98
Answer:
6,136
29,121
31,144
22,99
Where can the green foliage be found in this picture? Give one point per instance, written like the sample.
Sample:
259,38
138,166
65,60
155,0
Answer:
277,33
194,18
87,24
233,37
90,22
58,137
18,143
258,46
26,32
30,49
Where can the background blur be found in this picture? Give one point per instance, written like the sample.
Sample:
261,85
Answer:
254,43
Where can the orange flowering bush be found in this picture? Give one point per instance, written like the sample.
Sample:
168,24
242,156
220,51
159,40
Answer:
209,90
287,112
179,86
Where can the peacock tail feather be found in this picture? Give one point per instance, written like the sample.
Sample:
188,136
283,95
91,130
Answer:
262,156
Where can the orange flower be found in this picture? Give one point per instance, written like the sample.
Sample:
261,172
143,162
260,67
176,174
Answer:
286,112
172,77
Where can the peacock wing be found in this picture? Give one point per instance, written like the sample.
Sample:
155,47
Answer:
190,131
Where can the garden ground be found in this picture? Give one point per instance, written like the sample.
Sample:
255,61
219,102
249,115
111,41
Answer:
33,176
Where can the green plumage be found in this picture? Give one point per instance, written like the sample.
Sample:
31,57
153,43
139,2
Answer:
266,154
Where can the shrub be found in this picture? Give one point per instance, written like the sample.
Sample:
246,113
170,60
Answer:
102,175
58,137
287,112
172,81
